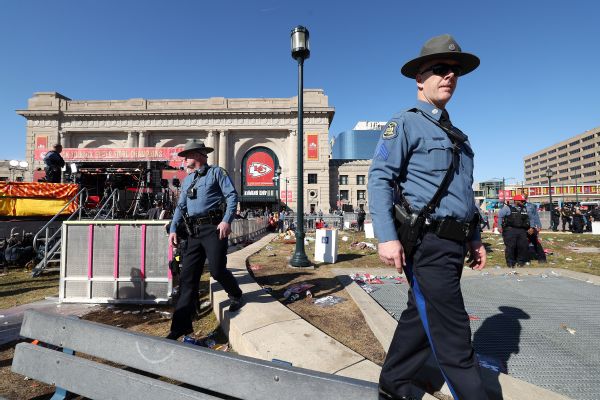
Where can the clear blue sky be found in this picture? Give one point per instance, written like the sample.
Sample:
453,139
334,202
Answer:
538,82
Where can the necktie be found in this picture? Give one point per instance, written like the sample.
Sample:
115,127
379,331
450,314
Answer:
445,120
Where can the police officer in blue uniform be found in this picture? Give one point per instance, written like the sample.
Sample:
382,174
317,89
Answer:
535,226
412,158
199,210
514,224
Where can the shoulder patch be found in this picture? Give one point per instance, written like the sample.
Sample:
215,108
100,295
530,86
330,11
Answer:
382,152
390,131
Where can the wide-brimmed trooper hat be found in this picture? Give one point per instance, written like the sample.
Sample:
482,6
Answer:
195,145
443,46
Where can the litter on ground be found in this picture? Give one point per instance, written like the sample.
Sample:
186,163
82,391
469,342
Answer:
328,301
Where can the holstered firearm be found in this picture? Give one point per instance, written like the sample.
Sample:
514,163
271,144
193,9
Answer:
409,227
186,222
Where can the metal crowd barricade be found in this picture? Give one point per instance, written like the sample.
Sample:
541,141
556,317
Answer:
111,261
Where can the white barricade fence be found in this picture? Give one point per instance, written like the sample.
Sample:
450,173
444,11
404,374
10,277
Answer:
112,261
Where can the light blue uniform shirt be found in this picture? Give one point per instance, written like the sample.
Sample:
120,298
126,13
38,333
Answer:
534,217
212,188
414,153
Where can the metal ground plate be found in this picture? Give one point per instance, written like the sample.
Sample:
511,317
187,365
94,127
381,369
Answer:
545,330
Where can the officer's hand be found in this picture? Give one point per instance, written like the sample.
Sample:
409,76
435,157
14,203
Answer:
224,230
531,231
392,253
478,255
173,241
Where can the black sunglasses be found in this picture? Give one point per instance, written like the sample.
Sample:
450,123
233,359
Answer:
443,69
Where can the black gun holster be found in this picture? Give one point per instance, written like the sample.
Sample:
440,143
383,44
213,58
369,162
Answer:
409,227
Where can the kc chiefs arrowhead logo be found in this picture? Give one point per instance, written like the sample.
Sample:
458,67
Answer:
258,169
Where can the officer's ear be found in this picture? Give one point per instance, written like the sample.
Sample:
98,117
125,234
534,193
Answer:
419,79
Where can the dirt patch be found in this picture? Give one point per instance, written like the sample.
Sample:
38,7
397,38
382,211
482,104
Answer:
18,287
147,319
344,321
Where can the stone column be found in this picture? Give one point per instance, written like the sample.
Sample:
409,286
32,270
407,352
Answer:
291,165
142,139
63,138
223,149
131,139
211,142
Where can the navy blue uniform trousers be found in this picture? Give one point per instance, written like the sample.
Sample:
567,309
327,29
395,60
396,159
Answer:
434,320
516,246
205,244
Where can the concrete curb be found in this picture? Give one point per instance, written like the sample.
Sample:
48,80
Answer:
383,325
266,329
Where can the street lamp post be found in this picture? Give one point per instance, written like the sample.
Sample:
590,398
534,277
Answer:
549,174
300,52
286,193
276,181
15,165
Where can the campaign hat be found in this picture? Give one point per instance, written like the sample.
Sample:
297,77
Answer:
195,145
442,46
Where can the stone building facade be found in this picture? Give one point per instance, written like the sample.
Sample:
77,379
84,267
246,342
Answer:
153,130
348,182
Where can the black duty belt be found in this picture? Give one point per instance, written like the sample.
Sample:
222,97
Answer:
452,229
213,218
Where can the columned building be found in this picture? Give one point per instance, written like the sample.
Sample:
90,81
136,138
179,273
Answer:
251,138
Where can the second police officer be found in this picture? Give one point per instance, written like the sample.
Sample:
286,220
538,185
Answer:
208,227
419,152
535,226
514,224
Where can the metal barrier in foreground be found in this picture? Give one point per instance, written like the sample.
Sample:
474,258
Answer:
208,374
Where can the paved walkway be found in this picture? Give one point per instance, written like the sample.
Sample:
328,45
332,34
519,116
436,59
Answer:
542,325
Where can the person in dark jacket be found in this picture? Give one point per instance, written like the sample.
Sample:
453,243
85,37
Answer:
554,219
54,162
578,222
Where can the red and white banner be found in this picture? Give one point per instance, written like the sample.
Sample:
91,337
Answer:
41,142
117,154
312,147
286,196
260,169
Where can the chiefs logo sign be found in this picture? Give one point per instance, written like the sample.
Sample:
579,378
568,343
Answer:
257,169
260,169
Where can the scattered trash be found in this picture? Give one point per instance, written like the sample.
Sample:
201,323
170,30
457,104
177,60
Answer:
569,259
554,273
205,304
126,312
255,267
165,314
293,298
519,280
368,288
497,267
297,288
272,255
544,276
268,289
203,342
309,294
485,273
135,312
222,347
566,328
344,238
151,310
269,248
328,301
1,316
362,246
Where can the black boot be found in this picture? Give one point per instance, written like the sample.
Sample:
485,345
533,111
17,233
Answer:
236,303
